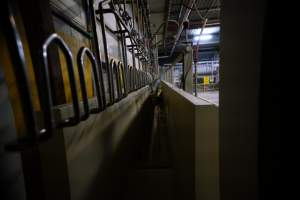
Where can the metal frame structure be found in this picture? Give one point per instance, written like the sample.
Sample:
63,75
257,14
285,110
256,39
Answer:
128,79
140,44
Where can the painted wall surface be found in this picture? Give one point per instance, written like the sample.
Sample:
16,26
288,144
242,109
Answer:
98,150
193,129
207,177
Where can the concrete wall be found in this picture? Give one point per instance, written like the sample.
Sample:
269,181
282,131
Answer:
207,152
91,160
99,149
193,129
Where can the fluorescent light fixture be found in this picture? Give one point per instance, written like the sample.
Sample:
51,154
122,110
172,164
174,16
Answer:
203,37
208,30
211,30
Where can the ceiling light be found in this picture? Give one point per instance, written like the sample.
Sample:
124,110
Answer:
203,37
208,30
211,30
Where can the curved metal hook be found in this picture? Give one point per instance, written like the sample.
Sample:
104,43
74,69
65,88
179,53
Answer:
135,79
80,61
140,80
118,74
148,78
122,77
16,52
49,101
130,78
115,73
143,78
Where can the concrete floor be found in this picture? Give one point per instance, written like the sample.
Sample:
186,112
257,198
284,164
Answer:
211,96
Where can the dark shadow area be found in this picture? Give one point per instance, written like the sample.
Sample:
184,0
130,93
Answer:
111,181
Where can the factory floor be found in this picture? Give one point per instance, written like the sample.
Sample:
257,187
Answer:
211,96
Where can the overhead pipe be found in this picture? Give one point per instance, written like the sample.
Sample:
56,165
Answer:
95,43
181,8
185,18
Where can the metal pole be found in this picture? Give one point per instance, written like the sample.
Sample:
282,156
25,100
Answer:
97,50
109,74
185,17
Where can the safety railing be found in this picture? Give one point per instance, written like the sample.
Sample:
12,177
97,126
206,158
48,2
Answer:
123,79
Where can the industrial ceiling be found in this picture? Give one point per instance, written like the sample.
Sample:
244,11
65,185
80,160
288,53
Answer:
173,34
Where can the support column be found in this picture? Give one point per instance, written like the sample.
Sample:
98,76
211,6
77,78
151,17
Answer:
187,70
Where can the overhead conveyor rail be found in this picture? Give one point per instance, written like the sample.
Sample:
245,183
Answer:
140,44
